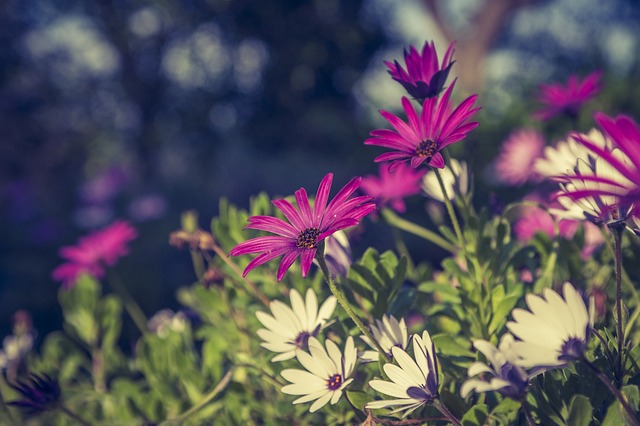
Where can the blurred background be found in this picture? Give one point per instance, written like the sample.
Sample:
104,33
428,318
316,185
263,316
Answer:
139,110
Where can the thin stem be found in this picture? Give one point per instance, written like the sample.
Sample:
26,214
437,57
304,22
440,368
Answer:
617,241
605,380
225,258
130,305
527,412
445,411
74,416
207,398
97,370
198,264
342,299
605,346
405,225
452,214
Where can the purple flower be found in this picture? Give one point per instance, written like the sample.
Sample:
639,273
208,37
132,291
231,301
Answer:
519,152
559,99
94,252
425,76
423,137
39,394
306,228
391,188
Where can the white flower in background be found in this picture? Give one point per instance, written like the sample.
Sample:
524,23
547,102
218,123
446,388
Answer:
326,376
455,177
554,331
388,333
289,329
565,155
413,382
14,349
502,375
166,320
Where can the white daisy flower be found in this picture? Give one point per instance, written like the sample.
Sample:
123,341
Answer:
327,373
288,328
388,333
413,382
607,204
506,376
565,155
554,331
455,177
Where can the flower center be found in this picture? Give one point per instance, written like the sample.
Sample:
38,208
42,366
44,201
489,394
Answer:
334,382
308,238
302,340
572,349
427,149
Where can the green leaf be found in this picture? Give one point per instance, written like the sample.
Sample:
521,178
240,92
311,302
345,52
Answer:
476,416
358,398
580,411
453,346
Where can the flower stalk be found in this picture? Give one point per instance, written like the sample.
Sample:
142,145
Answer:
342,299
452,214
439,405
131,306
617,242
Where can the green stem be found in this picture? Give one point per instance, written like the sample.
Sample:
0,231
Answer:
207,399
342,299
130,305
631,415
74,416
452,214
445,411
198,264
97,370
396,221
225,258
617,242
5,408
527,412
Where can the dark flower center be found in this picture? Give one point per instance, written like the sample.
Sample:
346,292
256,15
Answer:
518,381
572,349
334,382
427,149
302,340
308,238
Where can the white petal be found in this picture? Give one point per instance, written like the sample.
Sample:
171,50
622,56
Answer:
389,388
311,364
477,368
321,402
350,356
274,326
311,396
327,309
399,376
311,311
299,310
285,317
409,366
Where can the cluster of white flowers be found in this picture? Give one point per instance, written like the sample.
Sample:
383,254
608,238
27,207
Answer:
553,332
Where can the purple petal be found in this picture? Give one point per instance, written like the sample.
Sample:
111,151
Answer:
306,260
321,197
259,244
287,261
290,213
272,224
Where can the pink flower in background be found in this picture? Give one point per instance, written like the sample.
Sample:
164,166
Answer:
94,252
534,220
425,76
307,227
391,188
423,137
559,99
519,152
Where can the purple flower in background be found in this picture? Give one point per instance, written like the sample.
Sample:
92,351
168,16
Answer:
423,137
557,99
391,188
518,154
94,252
104,187
425,76
306,228
39,394
148,207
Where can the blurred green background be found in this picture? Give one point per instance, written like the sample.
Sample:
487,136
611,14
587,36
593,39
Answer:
141,109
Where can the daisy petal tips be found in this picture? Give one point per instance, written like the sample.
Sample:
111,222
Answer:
305,228
414,381
421,139
289,328
326,375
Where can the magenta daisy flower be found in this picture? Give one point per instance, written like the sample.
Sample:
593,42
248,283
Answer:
558,99
519,152
423,137
391,188
307,227
94,252
425,76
